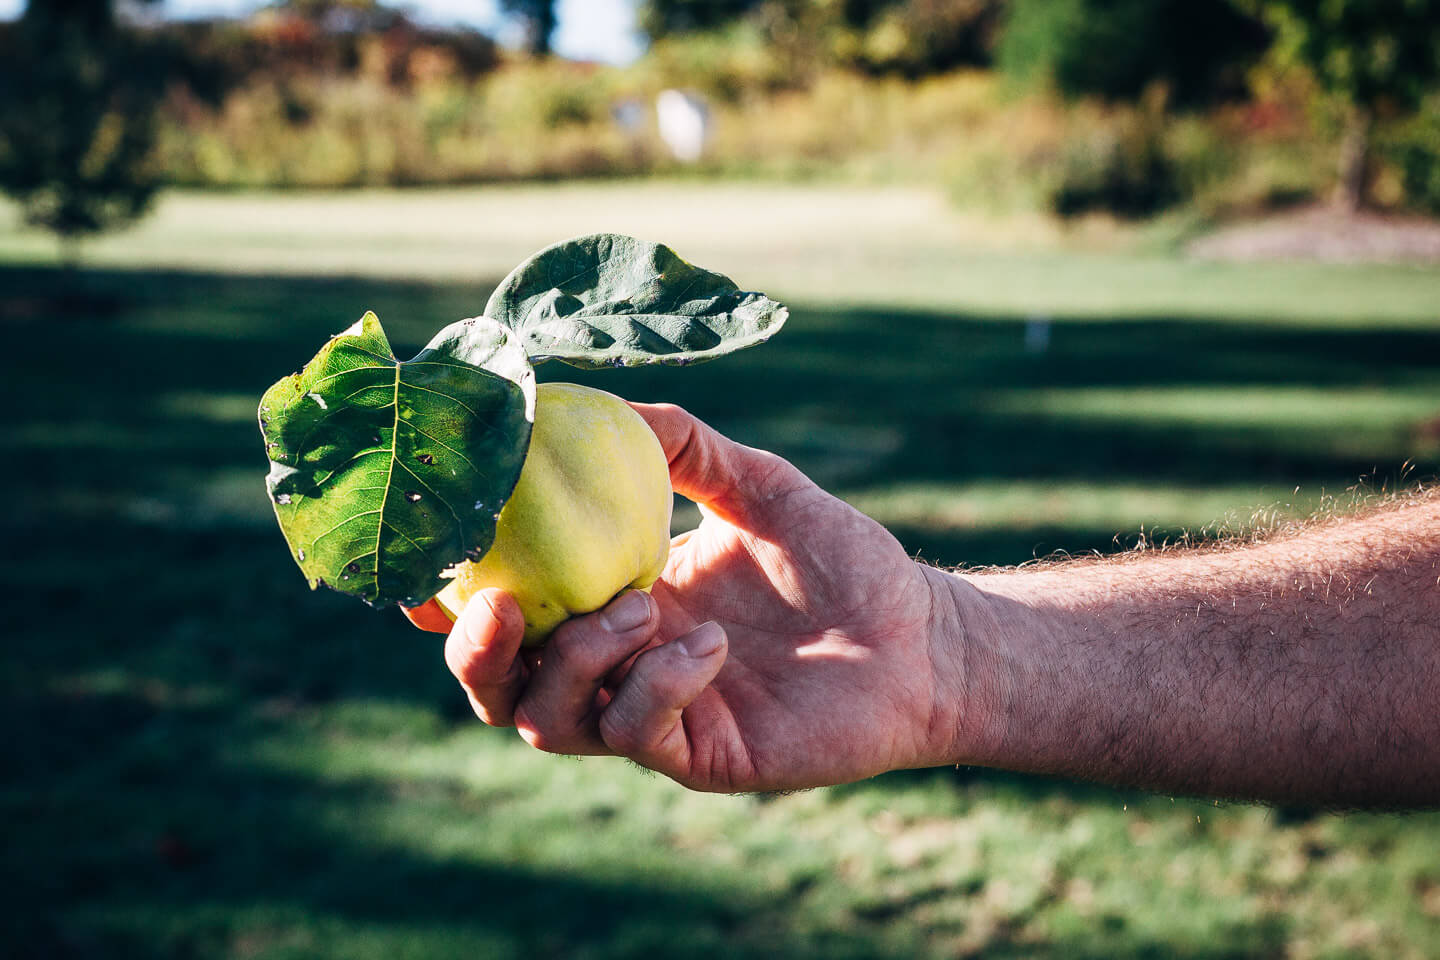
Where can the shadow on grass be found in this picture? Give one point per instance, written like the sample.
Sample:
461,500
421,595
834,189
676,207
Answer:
158,605
185,856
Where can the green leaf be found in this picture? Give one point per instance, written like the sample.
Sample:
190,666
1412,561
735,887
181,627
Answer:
384,473
608,300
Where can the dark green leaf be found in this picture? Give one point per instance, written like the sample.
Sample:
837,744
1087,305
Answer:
384,473
608,300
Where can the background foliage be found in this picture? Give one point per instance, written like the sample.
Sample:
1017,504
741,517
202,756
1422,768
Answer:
1073,107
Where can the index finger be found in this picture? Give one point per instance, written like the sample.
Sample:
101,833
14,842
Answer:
482,651
711,469
429,616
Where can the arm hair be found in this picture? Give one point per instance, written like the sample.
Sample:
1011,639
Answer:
1301,667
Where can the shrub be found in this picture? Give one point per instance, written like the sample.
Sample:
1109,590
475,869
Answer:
1118,49
1414,148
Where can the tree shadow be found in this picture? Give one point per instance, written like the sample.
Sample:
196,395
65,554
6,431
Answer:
155,604
184,855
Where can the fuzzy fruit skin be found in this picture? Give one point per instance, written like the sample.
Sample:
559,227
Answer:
589,516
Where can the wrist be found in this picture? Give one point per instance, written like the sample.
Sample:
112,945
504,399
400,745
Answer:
970,691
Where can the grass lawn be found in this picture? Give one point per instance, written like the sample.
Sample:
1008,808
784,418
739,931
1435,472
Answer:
207,760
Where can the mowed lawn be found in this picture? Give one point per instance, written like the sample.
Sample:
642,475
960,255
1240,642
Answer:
208,760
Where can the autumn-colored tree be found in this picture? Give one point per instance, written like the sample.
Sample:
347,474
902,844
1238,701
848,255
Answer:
1377,56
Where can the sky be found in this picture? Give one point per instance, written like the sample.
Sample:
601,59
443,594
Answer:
601,30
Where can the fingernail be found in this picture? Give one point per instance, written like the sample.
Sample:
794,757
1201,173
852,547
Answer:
479,627
703,640
627,613
475,627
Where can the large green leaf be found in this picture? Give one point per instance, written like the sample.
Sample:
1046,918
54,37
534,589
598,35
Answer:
608,300
384,473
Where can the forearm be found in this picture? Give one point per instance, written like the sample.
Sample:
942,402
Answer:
1303,669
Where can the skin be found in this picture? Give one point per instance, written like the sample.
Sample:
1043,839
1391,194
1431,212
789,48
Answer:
792,643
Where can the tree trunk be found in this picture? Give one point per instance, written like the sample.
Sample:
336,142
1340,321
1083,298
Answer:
1354,160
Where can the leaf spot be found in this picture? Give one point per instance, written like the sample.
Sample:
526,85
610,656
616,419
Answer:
425,458
412,495
282,498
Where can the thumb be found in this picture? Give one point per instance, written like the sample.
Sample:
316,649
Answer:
643,719
729,478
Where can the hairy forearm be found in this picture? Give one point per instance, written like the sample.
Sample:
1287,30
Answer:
1303,669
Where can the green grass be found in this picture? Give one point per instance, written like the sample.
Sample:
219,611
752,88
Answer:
841,245
206,760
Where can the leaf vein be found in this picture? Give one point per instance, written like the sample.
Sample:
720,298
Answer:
357,516
438,393
433,493
434,439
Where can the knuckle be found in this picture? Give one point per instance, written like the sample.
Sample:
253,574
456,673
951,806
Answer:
532,734
572,647
495,717
545,737
654,684
620,733
623,725
462,657
537,740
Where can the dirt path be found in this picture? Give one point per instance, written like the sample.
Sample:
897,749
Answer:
1326,235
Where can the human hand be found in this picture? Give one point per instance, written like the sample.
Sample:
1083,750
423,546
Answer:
790,642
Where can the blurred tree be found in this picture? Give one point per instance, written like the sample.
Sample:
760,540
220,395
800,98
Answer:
320,9
1378,56
661,18
78,101
1198,49
1413,146
539,18
918,37
913,37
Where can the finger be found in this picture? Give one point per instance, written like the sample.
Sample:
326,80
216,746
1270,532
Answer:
712,469
429,616
482,651
558,710
643,720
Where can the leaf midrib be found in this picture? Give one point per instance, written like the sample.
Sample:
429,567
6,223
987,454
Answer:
389,475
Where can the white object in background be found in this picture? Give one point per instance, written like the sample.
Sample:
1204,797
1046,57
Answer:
1037,334
684,121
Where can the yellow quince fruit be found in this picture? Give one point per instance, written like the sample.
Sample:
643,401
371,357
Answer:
589,516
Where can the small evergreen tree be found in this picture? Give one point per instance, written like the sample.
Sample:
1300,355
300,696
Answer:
540,19
78,102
